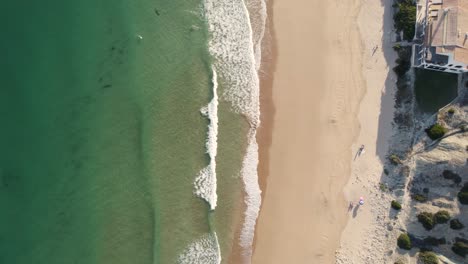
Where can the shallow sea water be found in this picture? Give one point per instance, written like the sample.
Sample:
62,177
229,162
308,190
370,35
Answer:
102,134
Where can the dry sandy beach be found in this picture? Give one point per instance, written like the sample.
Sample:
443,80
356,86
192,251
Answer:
317,87
322,72
371,233
365,238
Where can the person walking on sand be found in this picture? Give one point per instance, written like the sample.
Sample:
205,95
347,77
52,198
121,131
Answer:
361,200
359,152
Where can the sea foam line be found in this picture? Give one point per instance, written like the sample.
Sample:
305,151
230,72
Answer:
205,183
257,12
205,250
237,60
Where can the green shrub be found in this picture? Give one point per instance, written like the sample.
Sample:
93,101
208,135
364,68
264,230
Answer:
442,217
396,205
450,175
456,224
460,248
463,194
383,187
451,111
399,262
404,242
433,241
465,187
463,197
436,131
428,257
420,198
401,68
405,18
426,219
394,159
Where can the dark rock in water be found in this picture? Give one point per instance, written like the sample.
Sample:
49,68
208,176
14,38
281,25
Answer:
106,86
156,11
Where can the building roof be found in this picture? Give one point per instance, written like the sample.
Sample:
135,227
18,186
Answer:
449,29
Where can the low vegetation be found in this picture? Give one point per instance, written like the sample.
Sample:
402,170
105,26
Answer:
404,242
463,194
436,131
450,175
456,224
383,187
451,111
460,248
394,159
441,217
428,257
420,198
403,61
405,18
396,205
427,220
433,241
404,92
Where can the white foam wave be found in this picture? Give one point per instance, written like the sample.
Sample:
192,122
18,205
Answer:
253,194
204,250
237,54
257,15
205,182
232,47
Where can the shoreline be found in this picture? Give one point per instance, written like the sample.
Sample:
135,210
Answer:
264,131
292,151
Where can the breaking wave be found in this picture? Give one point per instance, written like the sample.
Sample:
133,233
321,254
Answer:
205,182
204,250
235,45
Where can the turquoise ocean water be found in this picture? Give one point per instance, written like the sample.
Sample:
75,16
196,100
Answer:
102,134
